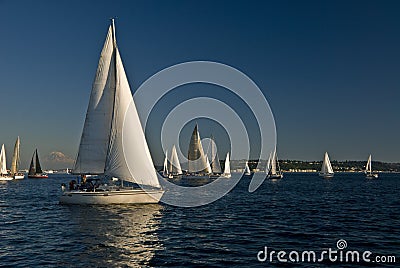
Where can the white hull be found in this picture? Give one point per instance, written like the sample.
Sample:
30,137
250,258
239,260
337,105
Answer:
227,176
19,177
136,196
6,178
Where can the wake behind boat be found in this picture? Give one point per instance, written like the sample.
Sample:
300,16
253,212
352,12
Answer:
101,151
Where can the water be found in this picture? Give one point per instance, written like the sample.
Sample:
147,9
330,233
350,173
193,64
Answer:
300,212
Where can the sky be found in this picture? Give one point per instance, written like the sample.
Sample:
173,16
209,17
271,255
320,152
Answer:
329,69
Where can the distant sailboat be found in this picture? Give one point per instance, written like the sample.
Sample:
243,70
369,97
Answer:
208,169
4,176
165,172
368,169
175,166
197,163
227,169
35,170
273,169
102,151
213,153
247,169
326,169
15,162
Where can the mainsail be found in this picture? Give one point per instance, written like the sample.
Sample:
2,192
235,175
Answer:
197,160
16,158
165,167
101,149
215,166
175,166
3,161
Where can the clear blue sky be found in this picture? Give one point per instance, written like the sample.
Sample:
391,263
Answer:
329,69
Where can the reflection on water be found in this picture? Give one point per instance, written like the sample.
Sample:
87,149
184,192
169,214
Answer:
117,235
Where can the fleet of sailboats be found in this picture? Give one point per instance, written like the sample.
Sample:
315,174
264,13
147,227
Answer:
368,169
102,152
326,169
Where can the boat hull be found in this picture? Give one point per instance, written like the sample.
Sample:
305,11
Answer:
136,196
38,176
275,177
326,175
19,177
6,178
372,176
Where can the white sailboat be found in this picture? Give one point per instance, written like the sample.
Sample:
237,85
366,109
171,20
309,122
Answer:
15,162
273,169
326,169
165,172
247,169
4,176
227,169
175,166
208,167
368,169
101,151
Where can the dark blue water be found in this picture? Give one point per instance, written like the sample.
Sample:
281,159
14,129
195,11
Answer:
300,212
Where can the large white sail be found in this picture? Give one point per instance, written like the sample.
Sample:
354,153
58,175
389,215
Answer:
93,146
197,161
175,166
326,165
227,169
15,159
247,169
273,164
268,167
142,167
3,161
208,168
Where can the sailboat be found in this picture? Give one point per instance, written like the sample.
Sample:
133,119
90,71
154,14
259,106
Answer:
273,169
102,152
215,167
4,176
227,169
368,169
15,162
326,169
165,172
35,170
175,167
197,162
247,169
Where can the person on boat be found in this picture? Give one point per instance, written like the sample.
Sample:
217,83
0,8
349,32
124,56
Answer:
72,185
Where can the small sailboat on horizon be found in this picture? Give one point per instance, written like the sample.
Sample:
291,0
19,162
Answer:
35,169
368,169
175,169
326,169
227,169
247,169
15,162
4,176
273,169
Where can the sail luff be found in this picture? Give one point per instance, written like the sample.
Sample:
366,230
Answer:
15,159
